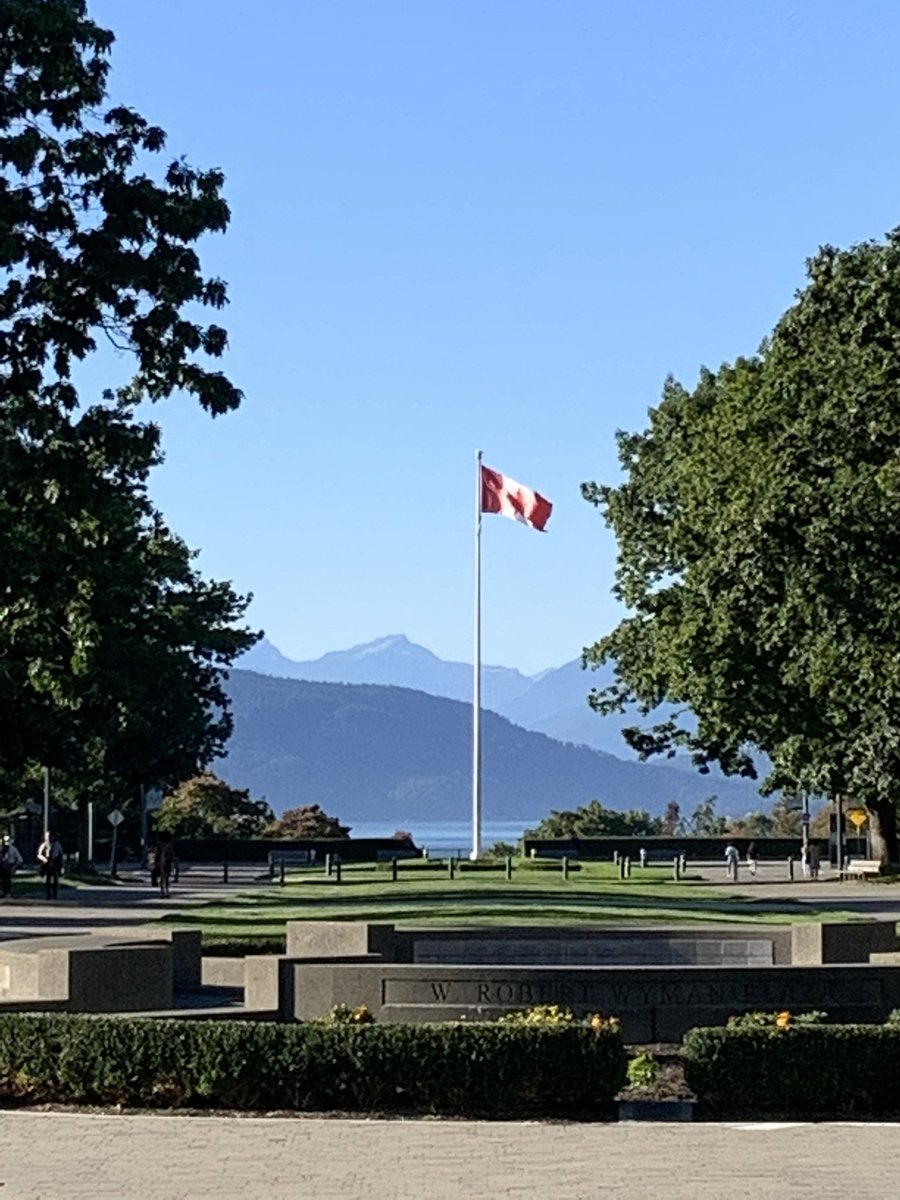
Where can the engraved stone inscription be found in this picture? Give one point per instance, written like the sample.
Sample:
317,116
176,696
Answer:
494,991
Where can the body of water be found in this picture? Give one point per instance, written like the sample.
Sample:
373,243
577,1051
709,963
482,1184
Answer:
447,837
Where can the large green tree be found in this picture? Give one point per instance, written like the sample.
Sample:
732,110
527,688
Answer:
756,528
206,806
307,821
593,820
112,648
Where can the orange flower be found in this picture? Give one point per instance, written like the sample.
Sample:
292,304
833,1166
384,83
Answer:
783,1019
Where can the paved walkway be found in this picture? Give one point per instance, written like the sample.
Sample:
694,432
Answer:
51,1156
78,1155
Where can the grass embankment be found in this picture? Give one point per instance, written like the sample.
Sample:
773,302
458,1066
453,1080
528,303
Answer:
537,894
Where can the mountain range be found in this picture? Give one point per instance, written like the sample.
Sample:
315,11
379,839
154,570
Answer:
553,702
367,746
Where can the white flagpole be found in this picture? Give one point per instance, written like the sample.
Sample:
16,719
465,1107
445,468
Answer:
476,676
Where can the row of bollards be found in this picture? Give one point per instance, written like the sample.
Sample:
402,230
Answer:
624,863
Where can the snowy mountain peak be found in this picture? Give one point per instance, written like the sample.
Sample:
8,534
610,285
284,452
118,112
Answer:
395,643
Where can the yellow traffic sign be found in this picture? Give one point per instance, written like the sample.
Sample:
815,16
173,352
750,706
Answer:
858,816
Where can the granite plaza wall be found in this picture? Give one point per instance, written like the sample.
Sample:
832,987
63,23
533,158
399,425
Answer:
658,981
653,1003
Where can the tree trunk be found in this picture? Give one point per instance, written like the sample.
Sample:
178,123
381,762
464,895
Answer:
883,831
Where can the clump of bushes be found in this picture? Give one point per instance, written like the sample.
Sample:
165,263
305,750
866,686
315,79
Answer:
782,1064
775,1020
339,1064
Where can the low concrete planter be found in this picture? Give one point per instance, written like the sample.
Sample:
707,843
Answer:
656,1110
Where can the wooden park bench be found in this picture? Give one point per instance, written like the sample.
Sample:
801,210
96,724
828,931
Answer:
860,868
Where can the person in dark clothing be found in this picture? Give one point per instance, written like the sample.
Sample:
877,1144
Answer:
50,862
10,859
752,857
164,863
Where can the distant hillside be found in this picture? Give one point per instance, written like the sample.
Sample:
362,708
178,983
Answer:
553,702
366,752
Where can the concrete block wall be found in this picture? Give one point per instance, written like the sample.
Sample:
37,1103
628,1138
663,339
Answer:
820,942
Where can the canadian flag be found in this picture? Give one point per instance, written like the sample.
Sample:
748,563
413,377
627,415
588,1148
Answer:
500,494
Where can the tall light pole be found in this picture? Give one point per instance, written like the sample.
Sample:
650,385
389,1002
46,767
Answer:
46,799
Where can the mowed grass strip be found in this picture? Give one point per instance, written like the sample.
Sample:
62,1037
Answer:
424,895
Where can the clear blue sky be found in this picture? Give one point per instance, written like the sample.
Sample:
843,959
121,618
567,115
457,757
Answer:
495,225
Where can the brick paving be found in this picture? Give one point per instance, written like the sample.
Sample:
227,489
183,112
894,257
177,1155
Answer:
51,1156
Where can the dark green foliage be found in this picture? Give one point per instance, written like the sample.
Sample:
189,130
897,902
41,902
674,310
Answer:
112,647
314,1066
204,806
802,1070
593,820
756,528
240,947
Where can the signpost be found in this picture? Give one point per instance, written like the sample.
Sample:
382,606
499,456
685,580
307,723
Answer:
859,817
115,819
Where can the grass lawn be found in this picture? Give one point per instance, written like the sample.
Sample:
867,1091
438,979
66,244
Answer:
535,894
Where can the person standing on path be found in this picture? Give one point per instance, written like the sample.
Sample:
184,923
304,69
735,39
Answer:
164,862
50,863
732,858
10,858
752,857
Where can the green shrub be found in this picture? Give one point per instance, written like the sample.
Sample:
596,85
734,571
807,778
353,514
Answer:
643,1071
539,1015
797,1069
781,1020
343,1014
458,1068
239,946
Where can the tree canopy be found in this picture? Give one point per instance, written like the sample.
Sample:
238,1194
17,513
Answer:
112,647
206,806
593,820
756,529
307,821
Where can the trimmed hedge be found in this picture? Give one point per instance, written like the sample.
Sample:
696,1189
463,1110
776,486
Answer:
238,946
454,1069
803,1069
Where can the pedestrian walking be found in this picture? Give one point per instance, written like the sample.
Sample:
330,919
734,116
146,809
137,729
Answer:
752,858
10,859
814,859
164,863
50,863
732,858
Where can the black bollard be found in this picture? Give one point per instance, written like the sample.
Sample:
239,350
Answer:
394,869
565,867
508,867
328,865
676,868
790,869
224,872
627,867
451,867
337,870
281,873
621,867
